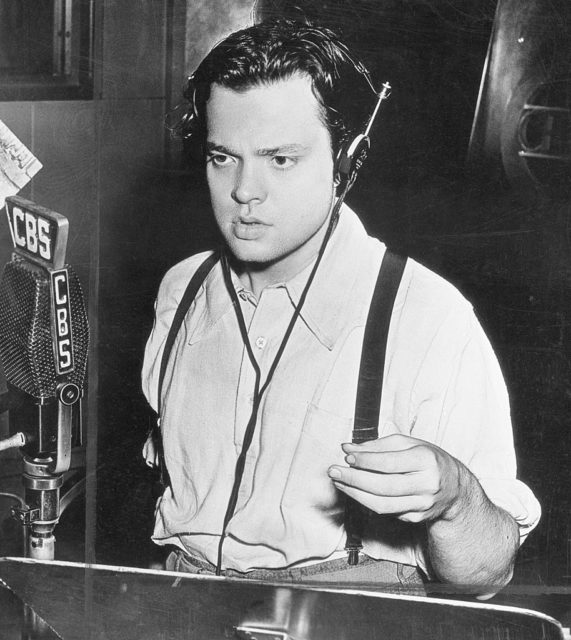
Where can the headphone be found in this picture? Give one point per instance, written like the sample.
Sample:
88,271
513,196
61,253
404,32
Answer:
353,153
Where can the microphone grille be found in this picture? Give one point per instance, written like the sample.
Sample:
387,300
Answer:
26,341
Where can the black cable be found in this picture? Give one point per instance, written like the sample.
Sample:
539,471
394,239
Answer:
259,392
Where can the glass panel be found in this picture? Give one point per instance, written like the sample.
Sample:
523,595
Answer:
45,48
26,37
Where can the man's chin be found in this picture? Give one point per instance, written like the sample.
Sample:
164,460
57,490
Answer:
248,262
253,260
251,254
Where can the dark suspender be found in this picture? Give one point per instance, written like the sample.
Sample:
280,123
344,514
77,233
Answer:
370,383
182,309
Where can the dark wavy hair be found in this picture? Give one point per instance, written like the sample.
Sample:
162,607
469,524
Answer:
276,50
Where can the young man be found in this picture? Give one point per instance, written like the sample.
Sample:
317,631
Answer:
258,396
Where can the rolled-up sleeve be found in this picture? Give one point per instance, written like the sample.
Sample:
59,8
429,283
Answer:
470,418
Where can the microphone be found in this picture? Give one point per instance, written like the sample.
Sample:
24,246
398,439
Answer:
44,340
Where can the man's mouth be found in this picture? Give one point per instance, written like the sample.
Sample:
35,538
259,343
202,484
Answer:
248,228
248,221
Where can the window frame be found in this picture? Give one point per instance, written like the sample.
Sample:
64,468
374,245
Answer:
73,58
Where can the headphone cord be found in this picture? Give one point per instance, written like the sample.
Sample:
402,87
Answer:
259,391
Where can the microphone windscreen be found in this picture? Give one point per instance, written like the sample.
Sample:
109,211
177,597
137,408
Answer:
27,340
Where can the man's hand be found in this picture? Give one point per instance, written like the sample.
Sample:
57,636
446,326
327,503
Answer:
471,542
150,453
409,478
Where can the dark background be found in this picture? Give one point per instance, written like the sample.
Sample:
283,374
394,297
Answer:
442,181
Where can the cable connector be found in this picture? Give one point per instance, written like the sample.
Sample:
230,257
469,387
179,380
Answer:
17,440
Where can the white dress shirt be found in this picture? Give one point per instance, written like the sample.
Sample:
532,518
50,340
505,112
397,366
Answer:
442,383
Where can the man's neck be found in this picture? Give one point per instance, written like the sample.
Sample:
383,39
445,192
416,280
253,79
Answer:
256,277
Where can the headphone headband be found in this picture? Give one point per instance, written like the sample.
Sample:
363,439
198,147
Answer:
354,152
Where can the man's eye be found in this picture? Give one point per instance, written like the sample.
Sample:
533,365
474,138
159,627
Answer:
283,162
220,160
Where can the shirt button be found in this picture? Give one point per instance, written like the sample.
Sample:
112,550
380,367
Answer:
261,342
243,295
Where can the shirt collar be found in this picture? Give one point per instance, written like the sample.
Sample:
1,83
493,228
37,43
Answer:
330,302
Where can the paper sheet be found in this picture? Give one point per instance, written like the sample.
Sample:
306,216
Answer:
18,165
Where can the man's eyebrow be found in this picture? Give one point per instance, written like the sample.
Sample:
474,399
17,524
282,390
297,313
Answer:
284,149
219,148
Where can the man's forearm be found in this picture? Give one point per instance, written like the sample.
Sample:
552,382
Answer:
474,544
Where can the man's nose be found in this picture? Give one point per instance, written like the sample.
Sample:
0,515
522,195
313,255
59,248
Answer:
249,185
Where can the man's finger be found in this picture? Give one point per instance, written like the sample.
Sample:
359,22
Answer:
411,508
411,460
394,442
381,484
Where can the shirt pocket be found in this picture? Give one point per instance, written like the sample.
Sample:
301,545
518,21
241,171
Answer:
319,446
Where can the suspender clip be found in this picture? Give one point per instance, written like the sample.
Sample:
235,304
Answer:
353,557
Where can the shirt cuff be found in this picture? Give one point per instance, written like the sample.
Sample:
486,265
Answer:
517,499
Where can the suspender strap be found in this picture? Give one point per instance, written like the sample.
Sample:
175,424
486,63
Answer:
370,383
183,307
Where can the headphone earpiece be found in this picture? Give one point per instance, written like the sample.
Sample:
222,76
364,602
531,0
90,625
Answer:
181,120
349,160
187,123
190,93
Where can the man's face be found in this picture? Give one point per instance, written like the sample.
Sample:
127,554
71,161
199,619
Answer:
270,174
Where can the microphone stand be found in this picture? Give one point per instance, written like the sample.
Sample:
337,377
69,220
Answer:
43,475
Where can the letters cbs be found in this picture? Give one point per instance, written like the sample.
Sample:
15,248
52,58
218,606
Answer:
62,321
32,233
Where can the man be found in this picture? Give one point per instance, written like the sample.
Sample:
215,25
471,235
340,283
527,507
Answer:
259,392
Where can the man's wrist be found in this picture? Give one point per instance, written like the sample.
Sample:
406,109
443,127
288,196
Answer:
467,494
